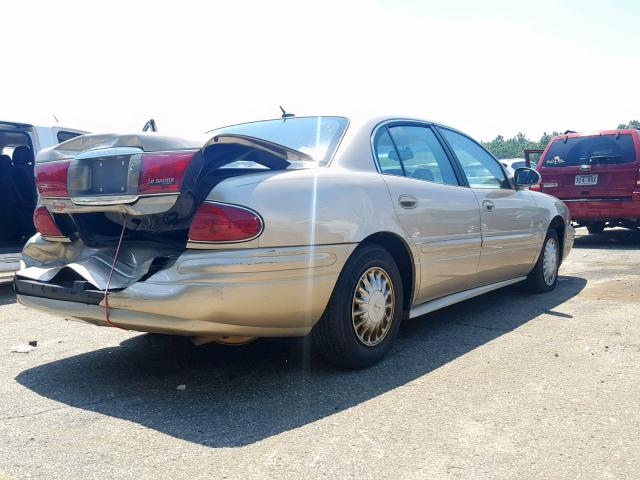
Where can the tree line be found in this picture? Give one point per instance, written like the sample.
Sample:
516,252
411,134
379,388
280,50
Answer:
514,147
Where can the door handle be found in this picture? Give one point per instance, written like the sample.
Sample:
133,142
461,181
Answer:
407,201
488,205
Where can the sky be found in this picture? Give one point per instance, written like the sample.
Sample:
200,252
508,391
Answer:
485,67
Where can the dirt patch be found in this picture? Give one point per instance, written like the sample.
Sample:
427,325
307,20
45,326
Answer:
623,289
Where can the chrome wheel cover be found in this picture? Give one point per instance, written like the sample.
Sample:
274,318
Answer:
373,306
550,261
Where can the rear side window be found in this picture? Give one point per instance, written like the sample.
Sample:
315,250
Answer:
64,136
422,155
387,155
593,150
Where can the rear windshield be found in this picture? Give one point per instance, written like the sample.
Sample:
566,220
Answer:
318,137
594,150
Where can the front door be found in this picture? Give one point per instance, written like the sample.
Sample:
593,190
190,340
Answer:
438,215
510,238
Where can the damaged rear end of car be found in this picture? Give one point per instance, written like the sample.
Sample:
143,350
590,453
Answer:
129,236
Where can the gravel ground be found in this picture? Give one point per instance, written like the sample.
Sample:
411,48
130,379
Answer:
508,385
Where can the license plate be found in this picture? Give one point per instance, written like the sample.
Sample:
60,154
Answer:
586,179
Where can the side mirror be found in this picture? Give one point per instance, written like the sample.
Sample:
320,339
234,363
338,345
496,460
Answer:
525,177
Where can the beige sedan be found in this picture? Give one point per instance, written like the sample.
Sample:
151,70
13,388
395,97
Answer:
334,227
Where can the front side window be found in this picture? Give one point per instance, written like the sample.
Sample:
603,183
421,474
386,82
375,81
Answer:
480,168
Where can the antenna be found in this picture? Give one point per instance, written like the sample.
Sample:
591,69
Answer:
285,114
56,118
150,126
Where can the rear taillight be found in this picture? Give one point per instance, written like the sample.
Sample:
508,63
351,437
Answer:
638,179
536,188
163,172
51,178
220,222
45,224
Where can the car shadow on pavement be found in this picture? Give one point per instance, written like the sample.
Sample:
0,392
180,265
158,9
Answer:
238,396
615,239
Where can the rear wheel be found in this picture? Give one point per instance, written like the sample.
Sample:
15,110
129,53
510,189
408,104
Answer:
363,316
544,276
597,227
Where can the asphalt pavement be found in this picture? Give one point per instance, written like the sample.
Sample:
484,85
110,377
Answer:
507,385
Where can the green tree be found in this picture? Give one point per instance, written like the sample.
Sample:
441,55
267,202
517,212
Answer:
514,147
631,124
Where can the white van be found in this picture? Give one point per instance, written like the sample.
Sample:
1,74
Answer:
19,144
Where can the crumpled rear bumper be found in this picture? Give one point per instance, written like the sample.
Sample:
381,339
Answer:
249,292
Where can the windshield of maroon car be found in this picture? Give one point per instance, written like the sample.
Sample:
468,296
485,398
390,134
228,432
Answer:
591,150
317,137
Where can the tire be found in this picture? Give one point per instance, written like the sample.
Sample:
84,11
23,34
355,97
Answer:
348,336
537,281
594,228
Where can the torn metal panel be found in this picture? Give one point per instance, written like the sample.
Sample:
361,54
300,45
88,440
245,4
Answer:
45,260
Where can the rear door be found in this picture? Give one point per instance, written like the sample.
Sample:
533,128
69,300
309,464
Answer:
603,166
438,215
511,233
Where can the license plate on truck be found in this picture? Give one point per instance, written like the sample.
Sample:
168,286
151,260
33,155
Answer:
586,179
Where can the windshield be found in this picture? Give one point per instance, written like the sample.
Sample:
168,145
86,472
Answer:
593,150
318,137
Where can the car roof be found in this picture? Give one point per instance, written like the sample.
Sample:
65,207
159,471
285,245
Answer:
355,119
621,131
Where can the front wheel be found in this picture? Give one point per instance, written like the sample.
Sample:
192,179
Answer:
544,276
363,316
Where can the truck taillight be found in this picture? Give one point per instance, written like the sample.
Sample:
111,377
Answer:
51,178
163,172
45,224
221,222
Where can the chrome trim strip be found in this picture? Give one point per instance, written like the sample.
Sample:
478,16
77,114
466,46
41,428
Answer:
615,199
105,199
108,152
442,302
144,205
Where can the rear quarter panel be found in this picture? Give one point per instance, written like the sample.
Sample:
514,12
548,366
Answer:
313,206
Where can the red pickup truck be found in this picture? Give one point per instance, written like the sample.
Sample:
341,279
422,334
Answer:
597,175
